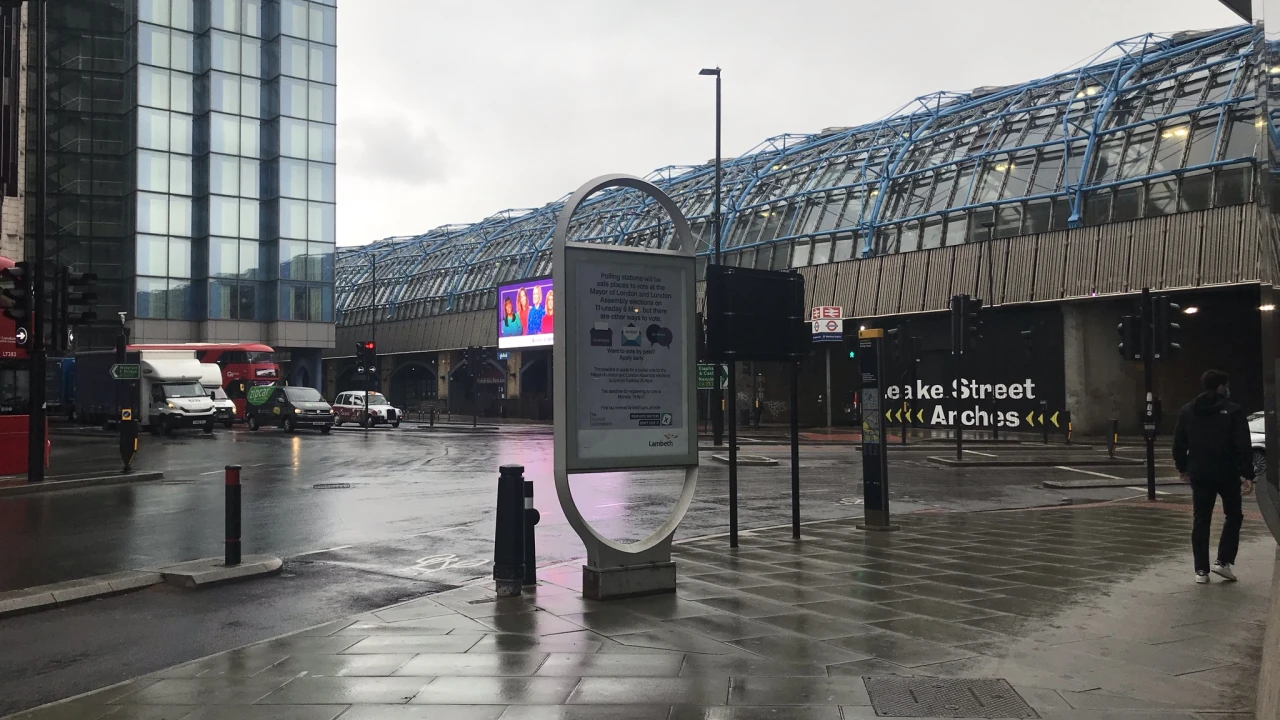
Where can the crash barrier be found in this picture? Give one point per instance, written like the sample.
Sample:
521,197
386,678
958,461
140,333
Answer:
233,515
531,518
509,535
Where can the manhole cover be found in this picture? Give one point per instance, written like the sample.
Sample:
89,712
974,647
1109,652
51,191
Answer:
331,486
942,698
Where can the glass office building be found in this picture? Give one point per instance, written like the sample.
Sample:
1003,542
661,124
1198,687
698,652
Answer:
191,166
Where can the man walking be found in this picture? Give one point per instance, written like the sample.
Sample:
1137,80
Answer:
1212,451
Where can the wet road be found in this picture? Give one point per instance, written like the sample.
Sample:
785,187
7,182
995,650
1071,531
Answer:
368,519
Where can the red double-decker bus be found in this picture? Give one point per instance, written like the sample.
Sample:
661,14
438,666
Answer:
243,365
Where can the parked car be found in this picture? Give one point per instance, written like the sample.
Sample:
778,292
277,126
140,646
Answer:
1258,438
350,406
287,407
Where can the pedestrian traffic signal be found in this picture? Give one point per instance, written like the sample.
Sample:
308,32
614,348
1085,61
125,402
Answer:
366,358
1165,313
67,294
1130,331
17,299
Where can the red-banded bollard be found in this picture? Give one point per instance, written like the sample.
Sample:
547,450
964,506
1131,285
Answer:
233,515
531,518
508,538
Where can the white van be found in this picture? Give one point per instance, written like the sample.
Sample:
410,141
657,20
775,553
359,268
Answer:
224,411
172,396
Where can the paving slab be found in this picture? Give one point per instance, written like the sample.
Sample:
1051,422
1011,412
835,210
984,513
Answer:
1146,643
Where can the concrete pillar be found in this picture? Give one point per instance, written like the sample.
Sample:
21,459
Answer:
444,366
1100,385
514,365
386,366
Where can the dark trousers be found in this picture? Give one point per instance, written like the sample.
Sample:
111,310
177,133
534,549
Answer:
1204,493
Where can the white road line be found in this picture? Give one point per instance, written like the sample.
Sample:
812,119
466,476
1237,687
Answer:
212,472
1089,472
975,452
613,504
433,532
1143,490
332,549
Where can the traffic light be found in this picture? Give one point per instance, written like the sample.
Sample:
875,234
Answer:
475,362
1165,328
971,324
1130,331
366,358
67,296
17,299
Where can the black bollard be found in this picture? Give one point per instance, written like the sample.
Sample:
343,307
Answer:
508,538
531,518
233,515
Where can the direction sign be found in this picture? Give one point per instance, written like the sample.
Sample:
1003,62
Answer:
20,336
706,376
125,371
828,330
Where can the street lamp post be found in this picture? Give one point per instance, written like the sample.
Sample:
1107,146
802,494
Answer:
717,395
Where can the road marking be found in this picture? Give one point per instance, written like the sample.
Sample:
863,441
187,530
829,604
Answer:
436,563
614,504
332,549
975,452
441,530
1142,489
213,472
1089,472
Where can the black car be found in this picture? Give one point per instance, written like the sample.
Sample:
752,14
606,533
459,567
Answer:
288,408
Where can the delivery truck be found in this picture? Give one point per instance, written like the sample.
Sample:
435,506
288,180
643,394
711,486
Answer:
167,396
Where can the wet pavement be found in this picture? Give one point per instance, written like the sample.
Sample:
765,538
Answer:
365,520
1072,613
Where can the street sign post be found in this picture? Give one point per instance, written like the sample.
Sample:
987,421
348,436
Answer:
625,389
875,461
125,371
706,376
828,330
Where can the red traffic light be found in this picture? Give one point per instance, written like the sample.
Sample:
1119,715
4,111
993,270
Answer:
368,345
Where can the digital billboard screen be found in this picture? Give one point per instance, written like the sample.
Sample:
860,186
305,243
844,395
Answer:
526,313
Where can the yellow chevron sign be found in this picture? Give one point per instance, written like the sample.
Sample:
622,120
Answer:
1054,419
1031,418
920,416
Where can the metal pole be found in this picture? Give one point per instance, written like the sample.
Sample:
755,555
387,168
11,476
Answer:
232,474
1115,438
733,455
795,449
1149,427
508,539
36,381
828,395
717,394
531,518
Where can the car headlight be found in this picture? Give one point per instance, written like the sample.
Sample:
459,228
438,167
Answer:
171,406
297,411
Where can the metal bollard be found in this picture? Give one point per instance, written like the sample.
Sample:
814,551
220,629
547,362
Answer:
1068,425
531,518
508,540
433,416
1114,439
233,515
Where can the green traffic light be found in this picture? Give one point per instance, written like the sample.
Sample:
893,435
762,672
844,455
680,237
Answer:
853,354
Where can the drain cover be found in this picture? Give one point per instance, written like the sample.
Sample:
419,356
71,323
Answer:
332,486
942,698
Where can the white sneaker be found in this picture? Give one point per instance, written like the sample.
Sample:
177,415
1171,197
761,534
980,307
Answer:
1224,571
1202,578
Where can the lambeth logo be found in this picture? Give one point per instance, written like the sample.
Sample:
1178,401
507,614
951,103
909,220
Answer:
667,441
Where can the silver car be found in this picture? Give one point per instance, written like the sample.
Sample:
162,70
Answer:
1258,438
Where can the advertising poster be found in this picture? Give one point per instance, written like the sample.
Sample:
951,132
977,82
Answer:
632,369
526,314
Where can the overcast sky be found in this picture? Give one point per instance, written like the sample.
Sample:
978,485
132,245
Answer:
452,110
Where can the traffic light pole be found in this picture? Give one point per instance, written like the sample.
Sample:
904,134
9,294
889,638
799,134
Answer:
957,357
1149,414
36,381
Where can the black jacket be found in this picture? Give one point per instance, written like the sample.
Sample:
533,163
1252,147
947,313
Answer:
1211,441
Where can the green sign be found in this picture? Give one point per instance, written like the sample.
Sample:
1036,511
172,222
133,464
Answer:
125,372
706,376
259,394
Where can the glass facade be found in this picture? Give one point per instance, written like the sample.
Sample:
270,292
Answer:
1156,125
191,160
298,157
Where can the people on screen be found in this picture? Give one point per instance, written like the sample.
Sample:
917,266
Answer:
510,321
536,313
549,319
522,309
